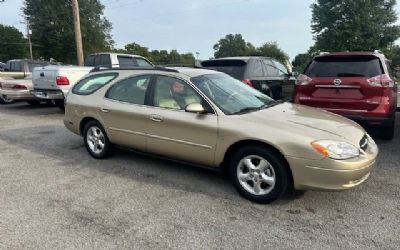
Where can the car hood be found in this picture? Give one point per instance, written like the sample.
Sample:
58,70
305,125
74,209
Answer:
317,124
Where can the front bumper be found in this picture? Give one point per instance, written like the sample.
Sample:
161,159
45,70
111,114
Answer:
17,95
48,94
329,174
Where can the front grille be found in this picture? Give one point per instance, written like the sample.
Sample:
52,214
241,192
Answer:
364,143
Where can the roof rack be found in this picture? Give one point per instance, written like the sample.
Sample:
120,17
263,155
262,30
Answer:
108,68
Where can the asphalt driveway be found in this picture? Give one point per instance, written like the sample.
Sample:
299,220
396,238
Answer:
54,195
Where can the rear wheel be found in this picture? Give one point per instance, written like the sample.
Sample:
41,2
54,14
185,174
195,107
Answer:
5,100
259,174
96,140
388,129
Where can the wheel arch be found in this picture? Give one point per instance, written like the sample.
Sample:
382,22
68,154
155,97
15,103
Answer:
85,120
248,142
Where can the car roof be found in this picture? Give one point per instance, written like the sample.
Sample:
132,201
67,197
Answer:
241,58
187,71
352,53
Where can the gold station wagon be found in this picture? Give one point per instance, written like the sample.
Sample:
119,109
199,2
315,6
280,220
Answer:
211,119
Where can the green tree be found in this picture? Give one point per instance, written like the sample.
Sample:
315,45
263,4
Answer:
340,25
53,29
271,49
136,49
393,53
300,62
12,43
232,45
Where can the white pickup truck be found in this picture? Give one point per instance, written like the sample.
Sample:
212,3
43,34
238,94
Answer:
54,82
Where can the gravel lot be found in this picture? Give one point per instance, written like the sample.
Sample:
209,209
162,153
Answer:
54,195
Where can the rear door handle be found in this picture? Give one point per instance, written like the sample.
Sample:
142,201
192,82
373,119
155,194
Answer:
104,110
156,118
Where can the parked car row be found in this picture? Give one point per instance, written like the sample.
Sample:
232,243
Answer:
229,120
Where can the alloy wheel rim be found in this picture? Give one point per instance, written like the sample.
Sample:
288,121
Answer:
256,175
6,99
95,140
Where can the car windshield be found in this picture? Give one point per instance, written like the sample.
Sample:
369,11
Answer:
231,95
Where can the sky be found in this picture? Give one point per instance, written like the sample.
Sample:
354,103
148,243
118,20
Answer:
196,25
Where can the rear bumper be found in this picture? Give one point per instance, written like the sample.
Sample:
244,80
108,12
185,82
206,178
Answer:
48,94
18,95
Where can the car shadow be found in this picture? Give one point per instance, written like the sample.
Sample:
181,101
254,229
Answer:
25,109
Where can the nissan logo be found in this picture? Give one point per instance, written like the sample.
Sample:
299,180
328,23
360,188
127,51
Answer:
337,82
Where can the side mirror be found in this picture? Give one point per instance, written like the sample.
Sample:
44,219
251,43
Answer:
195,108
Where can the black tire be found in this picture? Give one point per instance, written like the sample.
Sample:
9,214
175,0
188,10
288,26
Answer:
107,149
60,104
5,100
387,132
279,171
34,102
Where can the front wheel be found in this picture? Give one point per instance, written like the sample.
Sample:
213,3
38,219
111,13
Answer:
259,174
96,140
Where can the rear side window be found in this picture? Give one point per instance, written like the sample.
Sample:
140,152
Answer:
257,69
272,71
89,61
126,61
92,83
234,68
130,90
354,66
105,60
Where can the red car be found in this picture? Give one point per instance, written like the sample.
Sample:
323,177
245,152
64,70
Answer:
358,85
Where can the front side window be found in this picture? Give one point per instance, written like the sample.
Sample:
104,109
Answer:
173,93
130,90
92,83
231,95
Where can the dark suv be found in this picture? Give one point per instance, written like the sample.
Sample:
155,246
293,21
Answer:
263,73
358,85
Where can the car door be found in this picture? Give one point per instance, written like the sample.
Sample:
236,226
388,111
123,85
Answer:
176,133
125,113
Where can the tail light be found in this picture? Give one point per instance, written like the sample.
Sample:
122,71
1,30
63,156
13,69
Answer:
19,87
303,80
62,80
381,81
248,82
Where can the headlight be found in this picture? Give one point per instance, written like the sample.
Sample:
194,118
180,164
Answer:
335,149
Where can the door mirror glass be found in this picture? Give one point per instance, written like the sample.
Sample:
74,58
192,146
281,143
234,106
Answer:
396,73
195,108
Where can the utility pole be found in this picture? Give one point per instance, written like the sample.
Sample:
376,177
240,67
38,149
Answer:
29,33
78,35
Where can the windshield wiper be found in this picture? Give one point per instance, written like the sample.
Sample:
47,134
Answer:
271,104
245,110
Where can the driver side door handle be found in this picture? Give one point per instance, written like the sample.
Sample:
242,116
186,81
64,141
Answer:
156,118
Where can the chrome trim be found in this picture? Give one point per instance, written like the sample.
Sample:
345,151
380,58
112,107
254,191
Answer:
161,138
339,86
